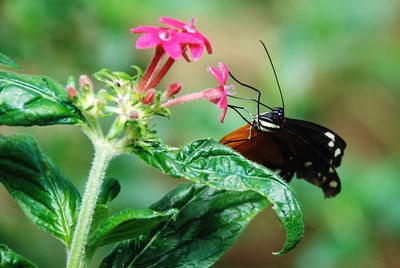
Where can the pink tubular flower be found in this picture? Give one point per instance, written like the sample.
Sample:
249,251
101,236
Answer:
195,48
169,39
217,95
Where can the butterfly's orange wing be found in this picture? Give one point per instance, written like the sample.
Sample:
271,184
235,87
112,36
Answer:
255,145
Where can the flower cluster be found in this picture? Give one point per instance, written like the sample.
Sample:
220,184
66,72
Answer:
175,42
85,97
135,99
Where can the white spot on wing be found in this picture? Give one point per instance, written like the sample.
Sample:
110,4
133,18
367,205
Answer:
331,170
330,135
324,179
338,152
308,164
333,184
331,144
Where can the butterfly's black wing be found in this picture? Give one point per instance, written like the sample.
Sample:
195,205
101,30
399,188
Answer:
327,142
298,155
318,152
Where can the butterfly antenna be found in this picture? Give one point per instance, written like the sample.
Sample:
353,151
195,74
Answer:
273,69
253,88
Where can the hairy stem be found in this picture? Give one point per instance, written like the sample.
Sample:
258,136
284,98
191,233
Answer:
102,156
207,94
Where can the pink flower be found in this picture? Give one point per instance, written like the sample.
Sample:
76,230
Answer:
169,39
217,95
195,48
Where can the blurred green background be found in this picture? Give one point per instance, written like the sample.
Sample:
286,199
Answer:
338,63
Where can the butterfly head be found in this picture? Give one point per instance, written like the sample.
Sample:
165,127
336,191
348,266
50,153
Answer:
270,121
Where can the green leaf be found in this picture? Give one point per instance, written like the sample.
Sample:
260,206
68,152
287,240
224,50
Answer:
27,100
211,163
37,185
208,223
6,61
109,191
10,259
128,224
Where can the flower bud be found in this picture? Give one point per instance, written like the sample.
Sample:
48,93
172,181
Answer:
85,83
72,93
132,115
172,90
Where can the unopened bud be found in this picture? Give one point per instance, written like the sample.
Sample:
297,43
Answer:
132,115
172,90
85,83
72,93
149,98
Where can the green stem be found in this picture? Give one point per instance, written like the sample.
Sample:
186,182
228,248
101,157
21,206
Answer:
103,154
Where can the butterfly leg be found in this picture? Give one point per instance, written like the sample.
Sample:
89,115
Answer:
237,108
251,124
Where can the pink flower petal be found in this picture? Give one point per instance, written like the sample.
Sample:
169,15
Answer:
172,48
222,104
196,50
144,29
147,40
224,72
216,73
223,101
173,22
222,115
206,42
188,38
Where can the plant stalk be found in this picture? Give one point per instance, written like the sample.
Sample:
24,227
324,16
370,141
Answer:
102,156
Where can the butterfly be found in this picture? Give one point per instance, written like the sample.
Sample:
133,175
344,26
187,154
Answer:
288,146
